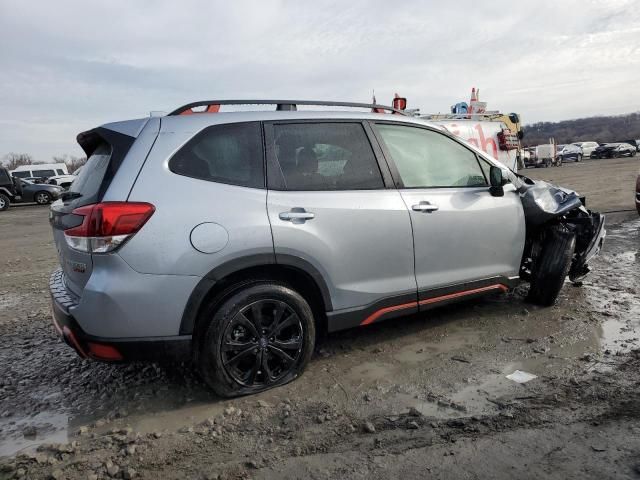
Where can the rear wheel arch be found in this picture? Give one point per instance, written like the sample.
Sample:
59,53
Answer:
226,279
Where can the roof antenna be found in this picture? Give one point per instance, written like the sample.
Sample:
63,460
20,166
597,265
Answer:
373,98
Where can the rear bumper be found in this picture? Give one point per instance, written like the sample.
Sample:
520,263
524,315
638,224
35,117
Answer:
108,349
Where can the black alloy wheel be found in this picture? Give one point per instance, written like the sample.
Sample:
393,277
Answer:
257,335
262,343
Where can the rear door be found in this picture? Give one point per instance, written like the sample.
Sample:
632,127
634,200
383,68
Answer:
462,234
329,206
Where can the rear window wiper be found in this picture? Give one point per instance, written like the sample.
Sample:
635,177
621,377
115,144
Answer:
70,195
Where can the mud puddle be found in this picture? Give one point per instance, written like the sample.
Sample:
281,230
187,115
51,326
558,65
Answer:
27,433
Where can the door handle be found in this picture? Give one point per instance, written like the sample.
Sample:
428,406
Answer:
425,206
296,215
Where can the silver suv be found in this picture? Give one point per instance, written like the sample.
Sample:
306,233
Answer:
235,237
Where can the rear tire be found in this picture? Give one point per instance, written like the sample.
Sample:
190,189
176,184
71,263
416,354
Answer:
272,327
552,267
4,202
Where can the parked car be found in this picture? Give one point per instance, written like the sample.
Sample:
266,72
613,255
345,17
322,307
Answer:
285,223
40,193
638,193
587,148
569,152
40,170
63,181
614,150
634,143
17,190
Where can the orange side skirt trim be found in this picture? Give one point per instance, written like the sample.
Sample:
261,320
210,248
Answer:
442,298
378,313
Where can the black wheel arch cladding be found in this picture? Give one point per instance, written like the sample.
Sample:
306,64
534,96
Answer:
215,277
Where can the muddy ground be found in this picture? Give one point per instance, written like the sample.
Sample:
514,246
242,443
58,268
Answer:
420,397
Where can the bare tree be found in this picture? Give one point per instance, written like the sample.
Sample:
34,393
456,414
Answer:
14,160
73,163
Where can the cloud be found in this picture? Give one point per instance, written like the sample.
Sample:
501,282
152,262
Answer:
70,65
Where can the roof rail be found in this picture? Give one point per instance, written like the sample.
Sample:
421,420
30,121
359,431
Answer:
213,106
461,116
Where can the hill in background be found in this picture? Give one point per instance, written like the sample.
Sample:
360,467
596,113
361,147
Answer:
598,129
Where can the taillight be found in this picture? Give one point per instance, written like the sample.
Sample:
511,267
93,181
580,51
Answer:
107,225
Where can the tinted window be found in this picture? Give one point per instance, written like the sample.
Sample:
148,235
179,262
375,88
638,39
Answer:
60,172
23,174
43,173
326,156
429,159
4,177
229,153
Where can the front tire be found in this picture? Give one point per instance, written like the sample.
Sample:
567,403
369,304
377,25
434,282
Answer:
4,202
552,266
260,337
579,158
42,198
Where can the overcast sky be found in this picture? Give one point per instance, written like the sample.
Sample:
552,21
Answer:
69,66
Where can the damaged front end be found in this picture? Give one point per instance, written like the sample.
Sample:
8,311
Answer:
548,207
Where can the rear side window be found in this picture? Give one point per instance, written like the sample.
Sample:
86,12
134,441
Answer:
230,153
326,156
43,173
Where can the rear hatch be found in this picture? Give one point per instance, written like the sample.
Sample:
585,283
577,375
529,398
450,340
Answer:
105,150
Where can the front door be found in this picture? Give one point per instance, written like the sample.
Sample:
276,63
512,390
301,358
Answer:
329,206
466,240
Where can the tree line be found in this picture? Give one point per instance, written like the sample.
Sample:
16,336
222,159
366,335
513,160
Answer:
601,129
15,160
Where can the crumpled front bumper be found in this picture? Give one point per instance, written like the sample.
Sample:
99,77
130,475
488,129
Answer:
580,266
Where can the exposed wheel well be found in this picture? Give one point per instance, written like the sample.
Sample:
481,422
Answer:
216,292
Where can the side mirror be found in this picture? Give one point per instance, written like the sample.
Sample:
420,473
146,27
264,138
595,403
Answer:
496,181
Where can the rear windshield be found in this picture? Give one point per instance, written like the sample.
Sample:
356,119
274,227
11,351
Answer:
88,181
23,174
